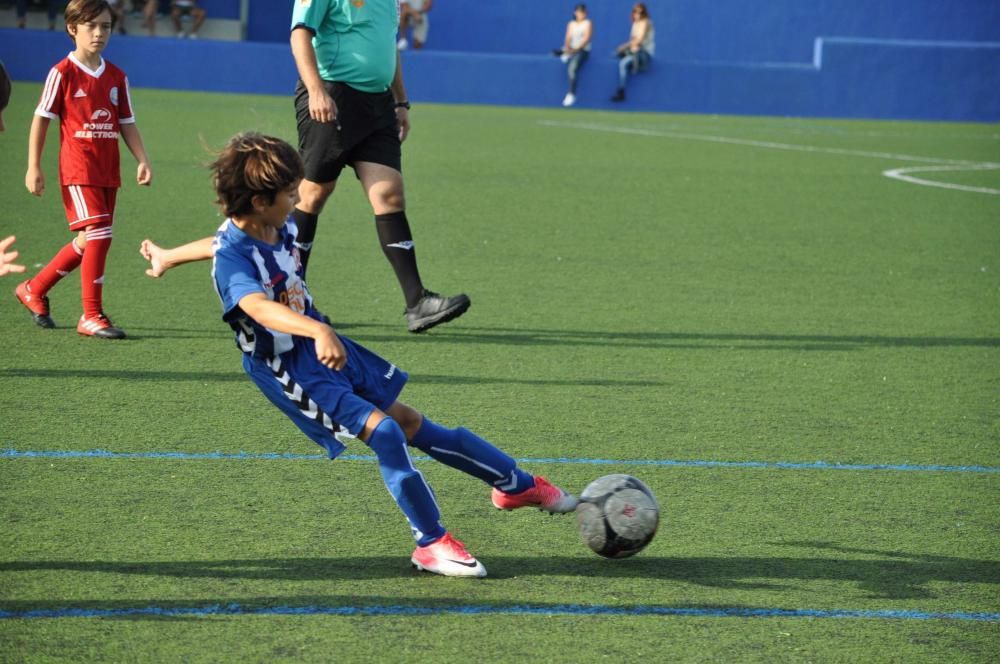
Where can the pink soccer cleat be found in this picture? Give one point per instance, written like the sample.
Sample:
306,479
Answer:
448,557
546,497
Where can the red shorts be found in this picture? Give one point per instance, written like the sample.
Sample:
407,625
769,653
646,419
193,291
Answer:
86,205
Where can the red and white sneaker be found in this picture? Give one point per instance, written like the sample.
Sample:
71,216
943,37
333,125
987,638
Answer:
37,305
545,496
99,326
448,557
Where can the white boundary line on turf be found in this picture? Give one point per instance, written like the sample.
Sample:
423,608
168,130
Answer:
901,174
896,173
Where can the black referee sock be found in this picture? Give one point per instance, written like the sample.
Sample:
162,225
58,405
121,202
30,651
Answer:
397,245
306,221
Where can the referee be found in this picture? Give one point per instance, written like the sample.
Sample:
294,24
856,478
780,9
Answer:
352,110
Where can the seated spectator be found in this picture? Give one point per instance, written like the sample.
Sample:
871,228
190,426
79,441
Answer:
635,54
118,9
22,12
149,12
576,48
181,8
413,16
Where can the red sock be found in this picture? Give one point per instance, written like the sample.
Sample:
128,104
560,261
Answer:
92,269
67,260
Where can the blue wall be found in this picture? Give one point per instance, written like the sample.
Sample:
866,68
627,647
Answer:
179,64
702,30
712,30
931,61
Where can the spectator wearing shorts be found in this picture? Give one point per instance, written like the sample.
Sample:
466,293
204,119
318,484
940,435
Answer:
181,8
21,9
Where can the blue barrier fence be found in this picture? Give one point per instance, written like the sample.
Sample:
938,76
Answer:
840,77
687,30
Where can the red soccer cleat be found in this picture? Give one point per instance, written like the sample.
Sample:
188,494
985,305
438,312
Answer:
99,326
448,557
544,496
38,306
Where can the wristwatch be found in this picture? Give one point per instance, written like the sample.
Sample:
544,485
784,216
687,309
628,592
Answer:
403,104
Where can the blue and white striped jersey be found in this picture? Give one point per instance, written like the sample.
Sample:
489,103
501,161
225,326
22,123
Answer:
243,265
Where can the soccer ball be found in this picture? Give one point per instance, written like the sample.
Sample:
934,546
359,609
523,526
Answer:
617,516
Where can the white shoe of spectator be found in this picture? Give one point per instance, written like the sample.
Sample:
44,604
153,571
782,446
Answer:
193,35
569,99
181,35
402,44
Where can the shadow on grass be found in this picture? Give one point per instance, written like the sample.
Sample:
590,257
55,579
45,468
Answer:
557,338
194,332
238,376
682,340
139,375
895,576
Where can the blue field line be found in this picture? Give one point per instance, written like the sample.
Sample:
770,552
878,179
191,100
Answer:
11,453
487,609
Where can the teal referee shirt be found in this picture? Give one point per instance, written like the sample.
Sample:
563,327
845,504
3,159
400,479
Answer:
354,40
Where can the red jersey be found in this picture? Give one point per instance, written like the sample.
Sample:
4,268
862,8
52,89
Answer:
91,107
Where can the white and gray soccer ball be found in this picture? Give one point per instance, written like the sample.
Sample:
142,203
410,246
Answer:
617,516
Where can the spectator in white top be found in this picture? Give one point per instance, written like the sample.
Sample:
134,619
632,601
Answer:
635,54
413,16
576,48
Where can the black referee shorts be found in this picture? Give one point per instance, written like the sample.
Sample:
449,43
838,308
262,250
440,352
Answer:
368,132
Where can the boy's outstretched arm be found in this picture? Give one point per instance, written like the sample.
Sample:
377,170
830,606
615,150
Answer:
133,139
277,316
161,260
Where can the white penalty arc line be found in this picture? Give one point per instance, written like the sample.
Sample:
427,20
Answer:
939,164
902,175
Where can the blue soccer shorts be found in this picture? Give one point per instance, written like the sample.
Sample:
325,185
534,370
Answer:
324,403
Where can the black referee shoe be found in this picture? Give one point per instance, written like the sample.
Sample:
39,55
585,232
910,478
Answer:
434,309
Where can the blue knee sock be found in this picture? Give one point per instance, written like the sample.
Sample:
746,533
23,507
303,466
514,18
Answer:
464,450
405,482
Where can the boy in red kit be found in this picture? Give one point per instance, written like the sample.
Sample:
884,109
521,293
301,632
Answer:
90,98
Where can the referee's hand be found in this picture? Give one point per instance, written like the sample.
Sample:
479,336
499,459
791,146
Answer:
403,121
322,108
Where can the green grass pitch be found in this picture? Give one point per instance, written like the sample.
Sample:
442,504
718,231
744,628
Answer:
646,289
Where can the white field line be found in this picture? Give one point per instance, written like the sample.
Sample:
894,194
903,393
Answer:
901,174
939,164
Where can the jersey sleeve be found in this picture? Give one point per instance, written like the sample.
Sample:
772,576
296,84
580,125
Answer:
310,13
125,113
50,105
235,278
